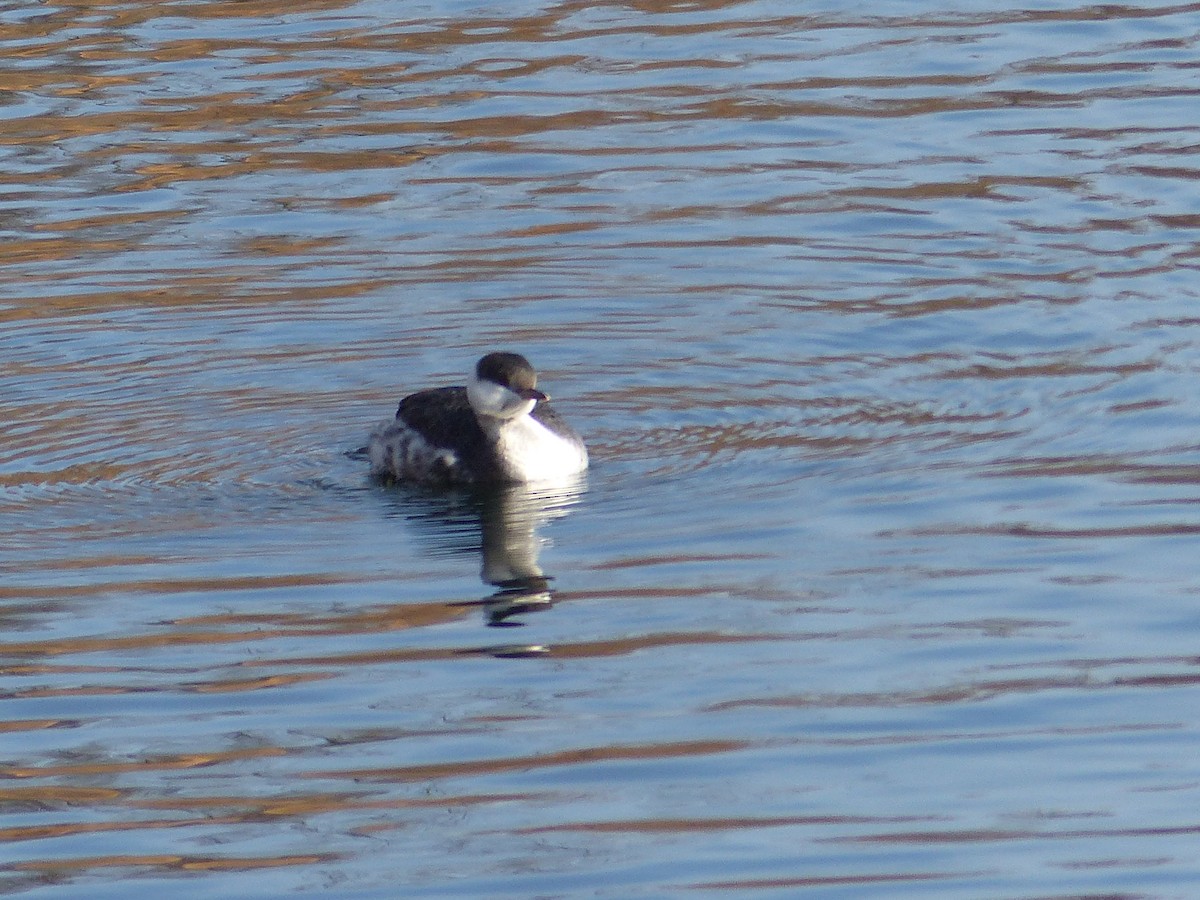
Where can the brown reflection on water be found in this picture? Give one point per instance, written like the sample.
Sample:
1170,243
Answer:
1133,470
213,810
165,762
1028,530
170,586
53,869
581,756
187,288
819,881
233,628
156,175
651,826
35,724
51,796
564,649
999,835
1075,677
300,805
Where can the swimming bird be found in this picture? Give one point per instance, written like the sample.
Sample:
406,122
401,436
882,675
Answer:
499,428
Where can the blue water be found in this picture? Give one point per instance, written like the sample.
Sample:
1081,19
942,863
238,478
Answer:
878,323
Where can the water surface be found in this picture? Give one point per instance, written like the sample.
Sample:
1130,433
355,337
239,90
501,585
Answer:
879,322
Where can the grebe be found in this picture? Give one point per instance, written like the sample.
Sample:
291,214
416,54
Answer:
498,428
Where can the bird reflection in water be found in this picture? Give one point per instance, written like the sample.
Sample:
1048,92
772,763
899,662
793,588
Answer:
510,517
502,523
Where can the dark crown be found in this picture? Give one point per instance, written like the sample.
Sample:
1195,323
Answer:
510,370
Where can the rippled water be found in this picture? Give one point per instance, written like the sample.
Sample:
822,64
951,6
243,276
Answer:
879,321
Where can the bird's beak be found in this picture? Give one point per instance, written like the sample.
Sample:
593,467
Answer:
532,394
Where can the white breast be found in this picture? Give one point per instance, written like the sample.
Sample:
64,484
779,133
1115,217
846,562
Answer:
529,451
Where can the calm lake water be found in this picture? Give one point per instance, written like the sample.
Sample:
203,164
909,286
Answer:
880,321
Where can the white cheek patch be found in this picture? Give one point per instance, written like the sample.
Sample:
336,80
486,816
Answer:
491,399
